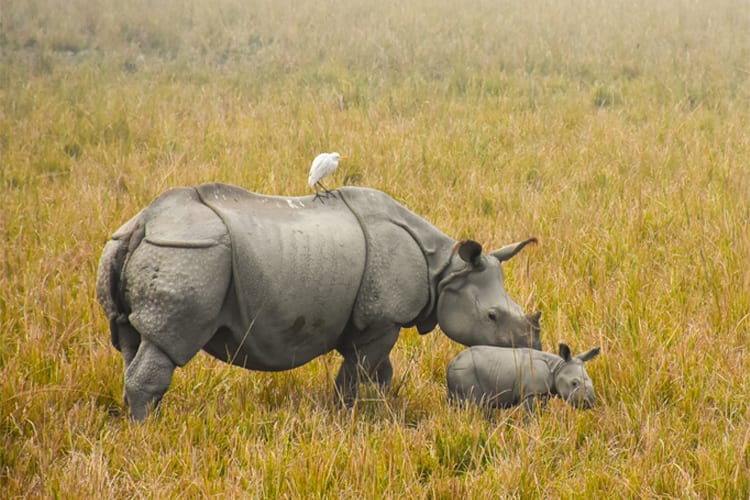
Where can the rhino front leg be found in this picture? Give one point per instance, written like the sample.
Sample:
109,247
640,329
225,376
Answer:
346,383
366,354
384,374
147,378
533,401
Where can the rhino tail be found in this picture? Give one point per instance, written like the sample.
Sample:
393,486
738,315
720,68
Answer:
119,316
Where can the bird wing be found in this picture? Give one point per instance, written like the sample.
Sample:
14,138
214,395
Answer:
321,166
315,174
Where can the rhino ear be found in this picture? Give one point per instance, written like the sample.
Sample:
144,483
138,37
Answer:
508,251
565,352
469,250
590,354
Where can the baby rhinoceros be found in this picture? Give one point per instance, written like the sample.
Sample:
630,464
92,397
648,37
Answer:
500,377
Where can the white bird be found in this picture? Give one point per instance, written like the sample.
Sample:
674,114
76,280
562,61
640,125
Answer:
322,166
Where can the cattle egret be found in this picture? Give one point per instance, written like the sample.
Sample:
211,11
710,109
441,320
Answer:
322,166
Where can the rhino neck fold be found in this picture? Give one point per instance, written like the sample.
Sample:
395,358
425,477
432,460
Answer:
554,363
435,246
437,261
364,234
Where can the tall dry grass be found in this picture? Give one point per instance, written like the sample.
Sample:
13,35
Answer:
616,132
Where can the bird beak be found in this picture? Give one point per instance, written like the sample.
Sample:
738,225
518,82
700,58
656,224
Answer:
344,158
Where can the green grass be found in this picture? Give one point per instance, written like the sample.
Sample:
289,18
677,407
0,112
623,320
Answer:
616,132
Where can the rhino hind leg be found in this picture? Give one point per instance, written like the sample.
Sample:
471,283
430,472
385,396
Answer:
129,341
147,378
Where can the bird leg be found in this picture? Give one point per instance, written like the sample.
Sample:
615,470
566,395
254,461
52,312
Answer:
328,193
317,193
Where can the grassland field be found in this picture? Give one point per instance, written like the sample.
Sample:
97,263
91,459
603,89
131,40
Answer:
617,132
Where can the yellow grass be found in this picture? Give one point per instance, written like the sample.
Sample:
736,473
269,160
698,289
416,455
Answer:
616,132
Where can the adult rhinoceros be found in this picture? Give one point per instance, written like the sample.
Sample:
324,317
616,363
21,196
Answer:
269,283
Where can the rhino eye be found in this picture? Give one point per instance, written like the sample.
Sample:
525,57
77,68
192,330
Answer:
492,315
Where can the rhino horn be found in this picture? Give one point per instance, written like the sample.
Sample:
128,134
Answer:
508,251
534,319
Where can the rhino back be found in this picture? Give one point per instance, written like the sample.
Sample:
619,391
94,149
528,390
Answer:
297,268
499,371
502,377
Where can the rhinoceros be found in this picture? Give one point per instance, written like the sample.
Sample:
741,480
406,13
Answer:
497,377
271,282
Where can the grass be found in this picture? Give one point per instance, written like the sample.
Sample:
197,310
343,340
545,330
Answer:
616,132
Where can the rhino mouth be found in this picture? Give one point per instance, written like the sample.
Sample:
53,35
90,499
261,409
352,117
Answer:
582,402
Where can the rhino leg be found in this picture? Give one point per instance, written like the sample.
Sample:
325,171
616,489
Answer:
346,383
383,374
365,354
130,340
147,378
533,401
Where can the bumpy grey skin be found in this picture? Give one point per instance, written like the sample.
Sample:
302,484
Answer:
269,283
497,377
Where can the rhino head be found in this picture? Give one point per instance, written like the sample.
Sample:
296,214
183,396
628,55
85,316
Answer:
572,382
473,307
